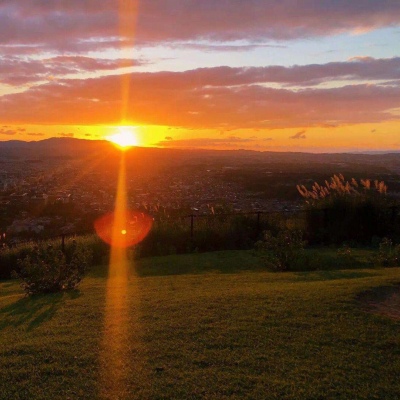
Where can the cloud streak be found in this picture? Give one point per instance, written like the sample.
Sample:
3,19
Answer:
8,132
17,71
71,25
231,141
299,135
220,98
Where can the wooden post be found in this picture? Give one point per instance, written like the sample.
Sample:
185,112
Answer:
393,218
258,221
191,225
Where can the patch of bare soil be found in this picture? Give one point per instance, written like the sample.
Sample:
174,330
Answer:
384,300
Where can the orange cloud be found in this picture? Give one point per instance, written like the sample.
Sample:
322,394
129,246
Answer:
220,98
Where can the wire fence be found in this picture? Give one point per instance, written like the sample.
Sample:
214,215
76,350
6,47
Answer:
226,231
318,225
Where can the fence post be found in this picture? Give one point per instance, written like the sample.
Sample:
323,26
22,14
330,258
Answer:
63,243
393,218
258,221
191,225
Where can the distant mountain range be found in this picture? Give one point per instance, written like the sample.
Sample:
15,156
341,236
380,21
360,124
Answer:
53,147
71,148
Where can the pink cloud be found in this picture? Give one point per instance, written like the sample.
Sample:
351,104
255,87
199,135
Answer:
16,71
64,25
20,70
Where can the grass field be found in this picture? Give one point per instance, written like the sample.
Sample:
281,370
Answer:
205,326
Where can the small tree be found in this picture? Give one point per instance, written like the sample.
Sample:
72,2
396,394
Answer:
49,270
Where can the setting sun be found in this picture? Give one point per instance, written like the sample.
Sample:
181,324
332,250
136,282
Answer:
124,138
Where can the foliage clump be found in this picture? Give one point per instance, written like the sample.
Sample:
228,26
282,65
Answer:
388,253
282,251
352,211
49,270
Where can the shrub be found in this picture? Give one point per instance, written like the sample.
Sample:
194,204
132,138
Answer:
345,251
388,254
282,251
49,270
345,256
9,258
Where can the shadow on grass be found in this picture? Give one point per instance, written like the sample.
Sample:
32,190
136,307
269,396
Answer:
34,310
223,262
379,294
333,275
381,300
318,265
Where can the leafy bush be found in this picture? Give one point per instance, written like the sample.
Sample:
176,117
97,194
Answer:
388,254
283,251
9,258
49,270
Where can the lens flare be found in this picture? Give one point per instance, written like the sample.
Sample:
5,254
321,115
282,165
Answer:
135,227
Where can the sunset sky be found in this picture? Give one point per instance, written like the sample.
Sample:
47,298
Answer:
281,75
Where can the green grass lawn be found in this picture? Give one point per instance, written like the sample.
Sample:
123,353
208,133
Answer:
205,326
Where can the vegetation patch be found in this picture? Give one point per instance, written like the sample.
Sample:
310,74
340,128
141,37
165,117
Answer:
349,211
49,270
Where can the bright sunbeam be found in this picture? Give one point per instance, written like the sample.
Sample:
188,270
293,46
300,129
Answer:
128,11
115,334
120,231
125,137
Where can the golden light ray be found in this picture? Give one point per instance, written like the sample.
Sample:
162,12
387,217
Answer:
115,336
128,11
115,361
121,229
92,163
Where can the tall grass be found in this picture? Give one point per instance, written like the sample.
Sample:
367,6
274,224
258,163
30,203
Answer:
349,211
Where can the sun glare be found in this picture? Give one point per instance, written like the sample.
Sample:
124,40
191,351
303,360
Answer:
125,137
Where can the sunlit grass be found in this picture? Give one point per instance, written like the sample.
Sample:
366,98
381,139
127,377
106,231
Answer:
244,333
